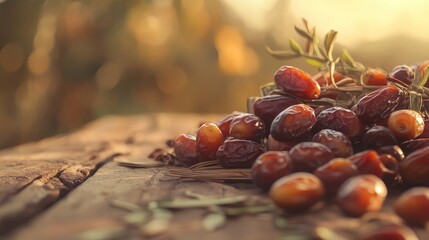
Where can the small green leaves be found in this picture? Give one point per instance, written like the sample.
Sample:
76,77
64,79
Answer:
214,221
315,62
287,54
303,33
348,58
295,46
195,203
329,43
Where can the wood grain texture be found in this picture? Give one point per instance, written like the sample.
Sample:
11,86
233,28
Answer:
86,206
50,168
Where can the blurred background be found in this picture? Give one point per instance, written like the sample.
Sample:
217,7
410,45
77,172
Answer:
64,63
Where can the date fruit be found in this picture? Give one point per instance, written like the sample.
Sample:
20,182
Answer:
361,194
406,124
239,153
274,145
377,137
379,104
268,107
293,123
247,126
339,144
296,82
307,156
297,192
414,169
374,77
269,167
403,73
395,151
225,123
334,173
342,120
185,149
413,206
209,138
368,162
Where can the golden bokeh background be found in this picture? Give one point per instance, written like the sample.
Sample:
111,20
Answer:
64,63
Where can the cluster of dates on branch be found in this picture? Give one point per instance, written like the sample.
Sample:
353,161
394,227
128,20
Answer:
301,151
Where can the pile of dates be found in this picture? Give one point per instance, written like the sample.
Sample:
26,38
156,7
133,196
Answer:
301,153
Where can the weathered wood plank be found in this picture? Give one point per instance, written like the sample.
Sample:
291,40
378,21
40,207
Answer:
27,172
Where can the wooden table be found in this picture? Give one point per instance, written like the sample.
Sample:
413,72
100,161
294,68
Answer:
62,188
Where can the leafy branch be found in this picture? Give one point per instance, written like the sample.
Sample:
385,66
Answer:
317,55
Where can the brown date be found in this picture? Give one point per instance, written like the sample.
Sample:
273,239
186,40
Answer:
296,82
339,144
390,170
413,206
209,138
425,133
269,167
342,120
185,149
403,73
274,145
368,162
293,123
268,107
374,77
324,78
379,104
239,153
307,156
225,123
415,144
334,173
247,126
361,194
297,192
414,169
406,124
395,151
378,136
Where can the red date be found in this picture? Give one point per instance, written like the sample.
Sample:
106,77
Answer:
269,167
209,138
239,153
361,194
307,156
293,123
296,82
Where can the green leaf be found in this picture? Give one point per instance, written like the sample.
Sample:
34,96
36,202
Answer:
255,209
214,221
287,54
306,24
194,195
137,217
103,234
125,205
332,72
327,234
295,46
195,203
348,58
159,223
314,62
303,33
329,42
